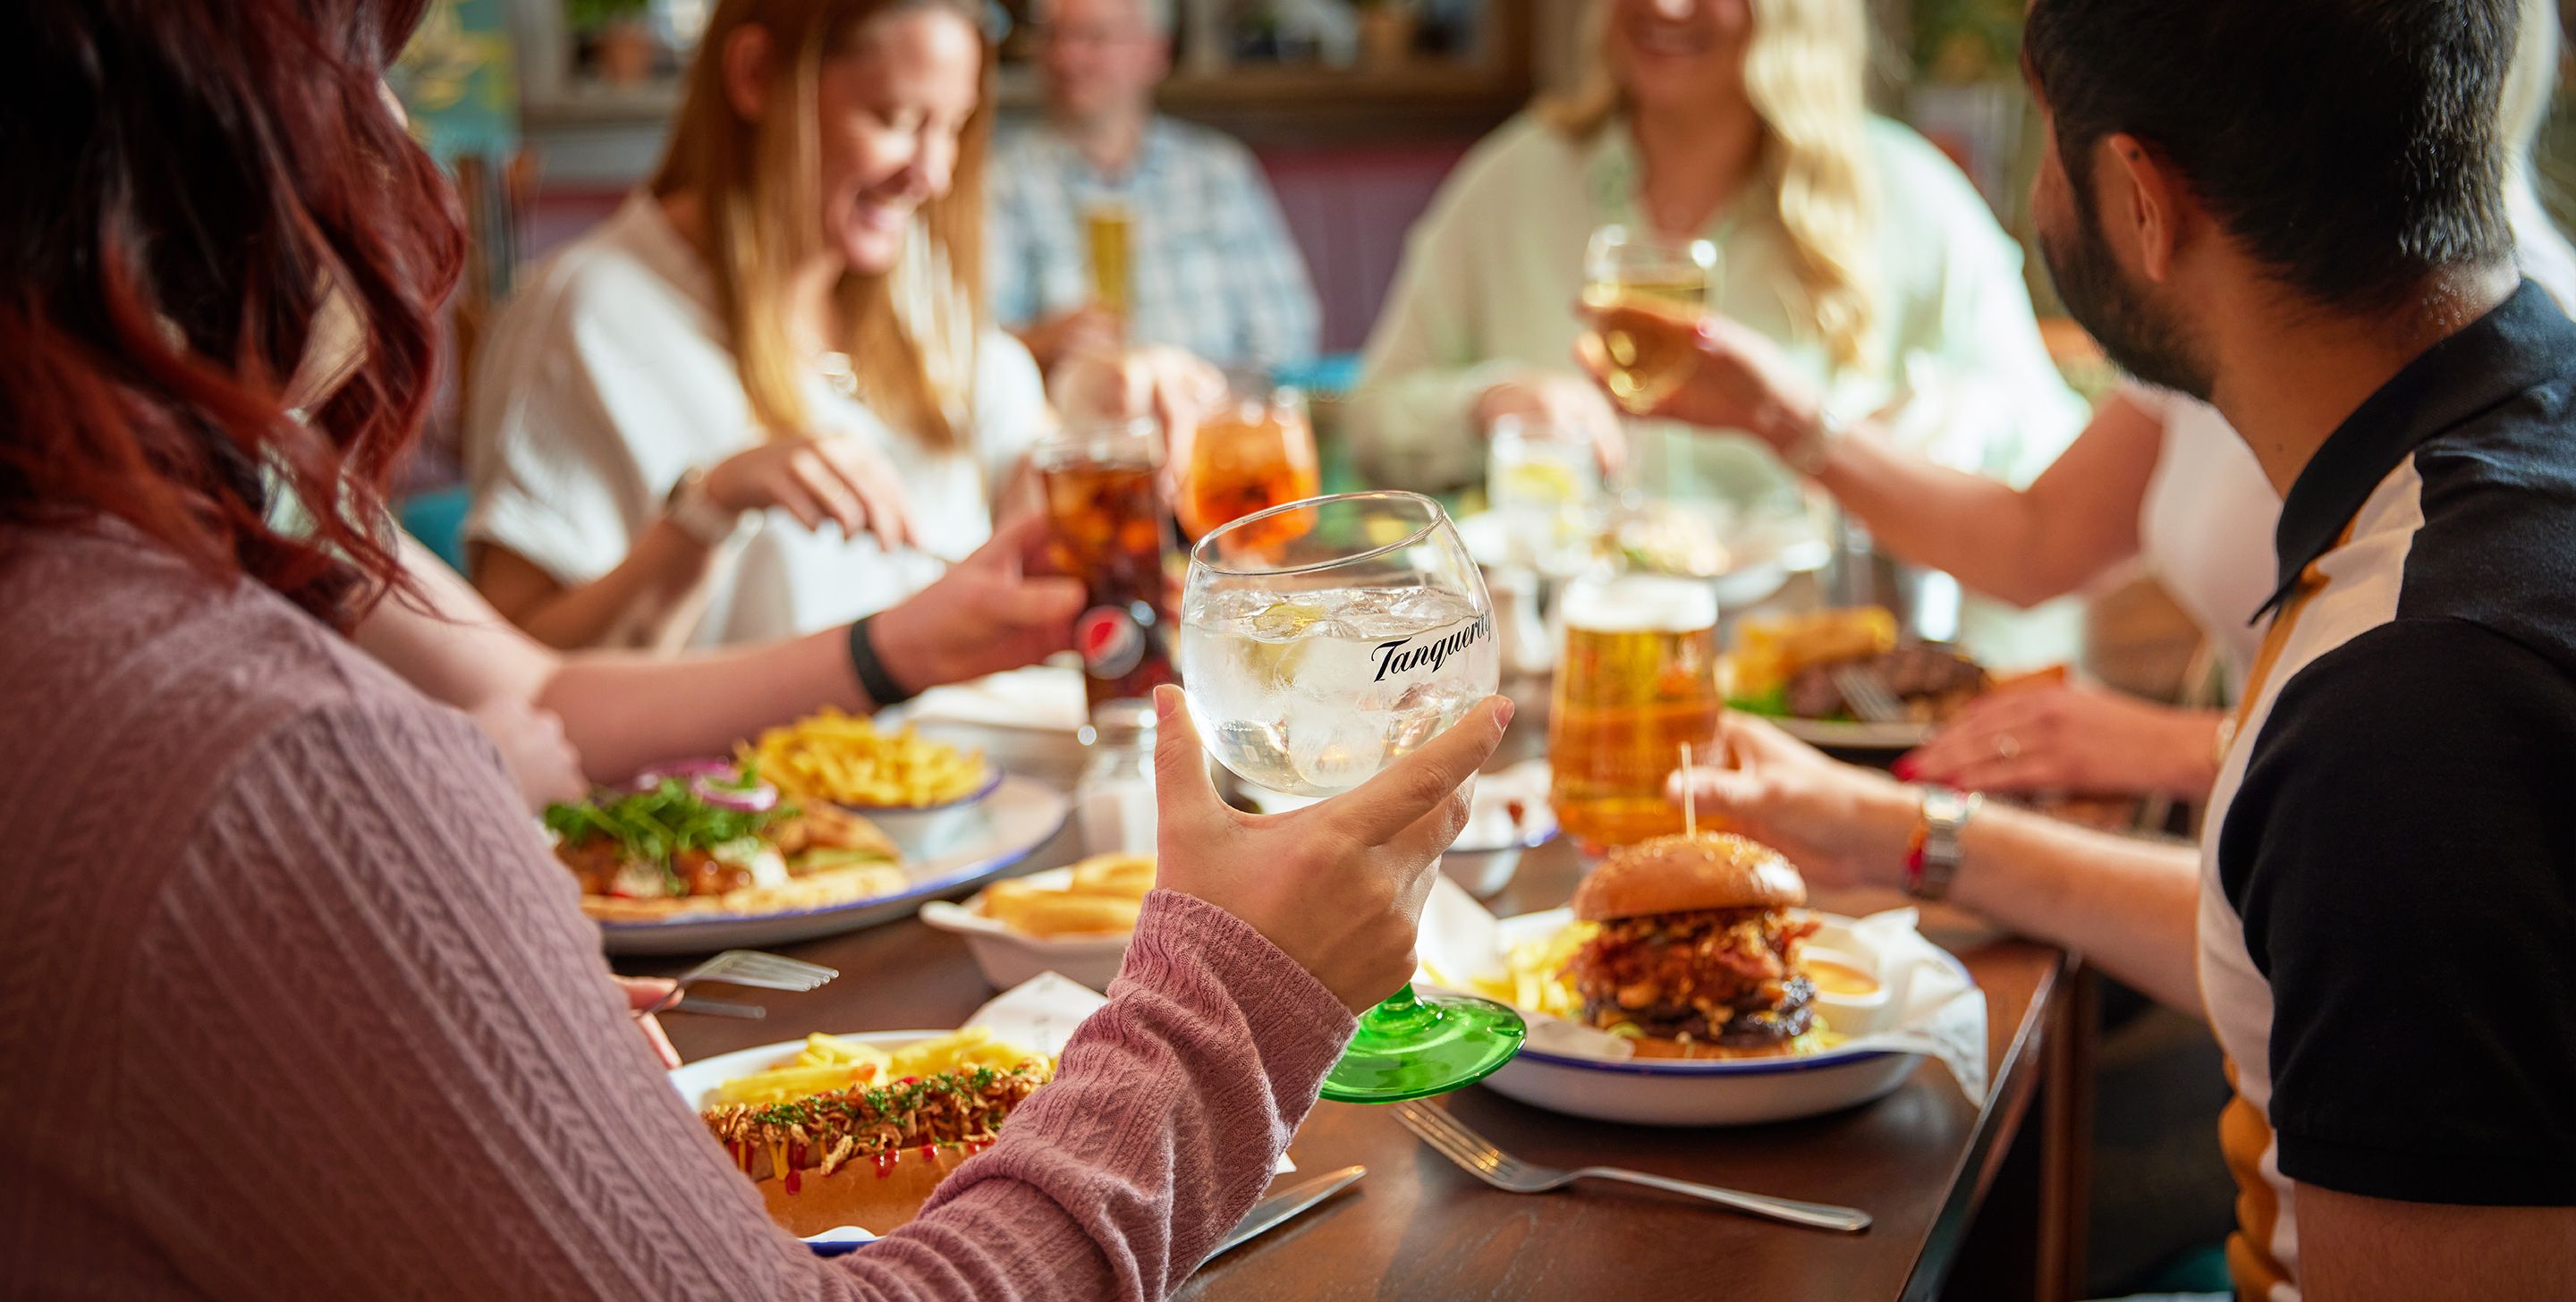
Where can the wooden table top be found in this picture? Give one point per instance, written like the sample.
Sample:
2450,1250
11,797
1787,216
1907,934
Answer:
1918,1161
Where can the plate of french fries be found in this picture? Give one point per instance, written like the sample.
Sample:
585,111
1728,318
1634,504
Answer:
927,794
1074,920
795,1069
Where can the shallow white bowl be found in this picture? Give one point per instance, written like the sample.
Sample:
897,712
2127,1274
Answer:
927,831
1008,958
1700,1091
1663,1092
1853,1015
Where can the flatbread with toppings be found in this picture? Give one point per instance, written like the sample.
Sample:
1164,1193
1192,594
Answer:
695,844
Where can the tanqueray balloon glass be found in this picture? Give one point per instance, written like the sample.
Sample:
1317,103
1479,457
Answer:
1320,642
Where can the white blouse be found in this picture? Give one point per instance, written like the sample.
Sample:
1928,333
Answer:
2205,525
609,375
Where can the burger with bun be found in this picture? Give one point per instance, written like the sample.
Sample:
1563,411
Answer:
1696,955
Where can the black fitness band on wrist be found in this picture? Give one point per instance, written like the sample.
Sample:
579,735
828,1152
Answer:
880,686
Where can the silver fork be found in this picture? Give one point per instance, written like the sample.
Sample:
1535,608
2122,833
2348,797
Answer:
1865,690
1434,1126
750,967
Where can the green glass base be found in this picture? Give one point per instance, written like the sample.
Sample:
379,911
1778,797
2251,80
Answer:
1412,1046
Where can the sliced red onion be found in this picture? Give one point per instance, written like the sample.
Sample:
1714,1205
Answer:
758,798
715,781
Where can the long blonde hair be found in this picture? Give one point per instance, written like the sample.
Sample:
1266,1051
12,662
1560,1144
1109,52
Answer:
1804,70
910,333
2523,105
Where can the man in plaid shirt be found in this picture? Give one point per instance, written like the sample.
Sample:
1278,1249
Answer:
1213,270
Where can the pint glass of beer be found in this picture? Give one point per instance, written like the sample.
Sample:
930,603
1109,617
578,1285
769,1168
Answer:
1256,453
1108,228
1637,679
1108,525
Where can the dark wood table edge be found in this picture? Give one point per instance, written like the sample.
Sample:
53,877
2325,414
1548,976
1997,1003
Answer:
2003,1118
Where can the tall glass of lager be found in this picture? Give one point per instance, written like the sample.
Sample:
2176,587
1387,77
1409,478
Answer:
1638,678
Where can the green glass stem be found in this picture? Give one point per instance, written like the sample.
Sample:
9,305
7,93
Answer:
1409,1046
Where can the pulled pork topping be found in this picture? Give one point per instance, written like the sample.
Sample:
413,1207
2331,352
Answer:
1728,975
944,1110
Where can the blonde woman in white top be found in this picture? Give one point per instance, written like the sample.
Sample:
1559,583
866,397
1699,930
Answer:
762,398
1847,239
2157,477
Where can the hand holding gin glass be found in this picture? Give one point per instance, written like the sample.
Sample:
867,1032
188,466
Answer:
1321,642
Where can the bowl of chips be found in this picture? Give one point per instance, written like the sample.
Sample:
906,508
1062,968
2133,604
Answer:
923,792
1074,920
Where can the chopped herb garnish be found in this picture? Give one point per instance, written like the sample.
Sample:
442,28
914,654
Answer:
654,826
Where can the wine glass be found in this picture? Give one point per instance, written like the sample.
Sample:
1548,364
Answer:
1644,281
1320,642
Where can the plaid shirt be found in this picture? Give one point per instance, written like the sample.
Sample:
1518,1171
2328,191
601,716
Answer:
1214,269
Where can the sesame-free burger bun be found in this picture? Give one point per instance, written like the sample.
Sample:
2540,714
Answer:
1678,874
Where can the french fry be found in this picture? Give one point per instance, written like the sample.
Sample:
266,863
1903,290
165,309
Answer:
1531,970
821,1049
796,1081
1130,875
828,1062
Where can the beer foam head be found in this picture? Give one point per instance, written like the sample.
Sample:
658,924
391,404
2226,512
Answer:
1642,603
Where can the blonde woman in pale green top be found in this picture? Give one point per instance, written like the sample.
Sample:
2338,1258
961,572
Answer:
1848,240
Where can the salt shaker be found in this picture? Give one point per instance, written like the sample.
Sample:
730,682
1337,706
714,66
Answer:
1114,800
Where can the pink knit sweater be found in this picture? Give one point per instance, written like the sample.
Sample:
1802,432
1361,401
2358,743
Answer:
298,1005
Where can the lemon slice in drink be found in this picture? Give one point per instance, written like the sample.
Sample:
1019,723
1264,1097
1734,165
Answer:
1276,642
1541,481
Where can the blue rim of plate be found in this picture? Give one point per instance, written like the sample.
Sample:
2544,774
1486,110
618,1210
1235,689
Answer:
1706,1067
916,892
992,783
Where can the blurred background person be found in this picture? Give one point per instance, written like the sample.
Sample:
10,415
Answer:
2157,478
763,398
1114,226
1845,238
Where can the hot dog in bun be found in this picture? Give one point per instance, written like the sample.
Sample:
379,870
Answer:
868,1155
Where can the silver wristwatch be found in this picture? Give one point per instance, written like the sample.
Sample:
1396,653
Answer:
1807,455
1945,819
696,513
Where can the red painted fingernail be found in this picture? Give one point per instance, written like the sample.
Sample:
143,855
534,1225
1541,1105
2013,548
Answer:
1905,768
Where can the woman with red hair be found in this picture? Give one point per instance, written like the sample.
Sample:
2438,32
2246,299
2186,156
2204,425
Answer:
318,1016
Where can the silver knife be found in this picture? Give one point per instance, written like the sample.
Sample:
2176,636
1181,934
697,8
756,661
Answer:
1270,1212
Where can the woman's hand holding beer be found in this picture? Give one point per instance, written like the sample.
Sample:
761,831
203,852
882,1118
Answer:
1843,825
827,477
1339,885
